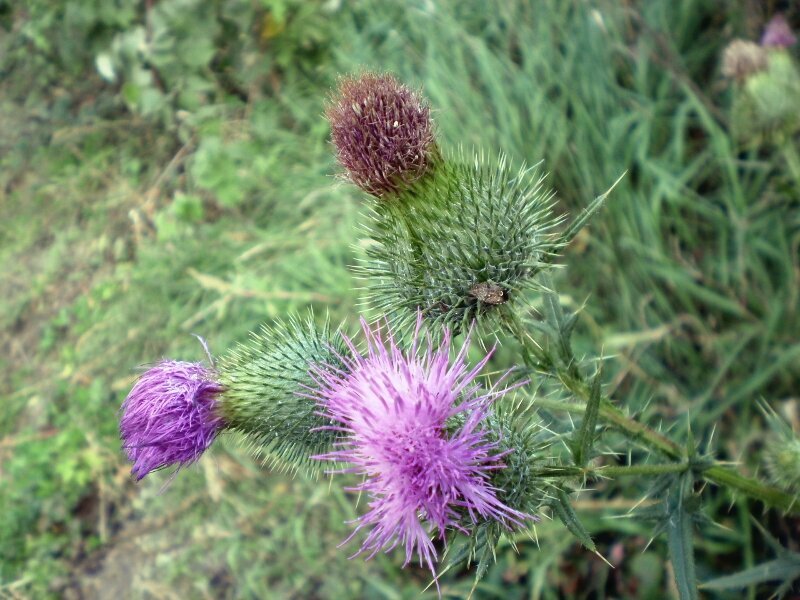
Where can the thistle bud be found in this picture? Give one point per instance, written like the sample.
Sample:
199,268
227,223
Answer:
382,132
464,244
267,387
169,417
778,34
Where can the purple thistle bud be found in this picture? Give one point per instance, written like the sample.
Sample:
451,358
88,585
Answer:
382,131
412,425
169,416
778,34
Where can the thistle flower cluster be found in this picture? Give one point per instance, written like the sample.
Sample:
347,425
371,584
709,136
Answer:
455,242
414,425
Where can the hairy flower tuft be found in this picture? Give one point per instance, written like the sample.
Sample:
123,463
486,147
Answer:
413,426
778,34
382,131
169,416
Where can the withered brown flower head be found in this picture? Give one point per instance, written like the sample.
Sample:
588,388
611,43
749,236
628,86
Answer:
382,131
742,59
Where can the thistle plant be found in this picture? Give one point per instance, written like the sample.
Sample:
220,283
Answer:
450,461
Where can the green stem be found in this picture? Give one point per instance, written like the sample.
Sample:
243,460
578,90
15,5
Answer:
614,471
792,159
716,473
612,415
753,488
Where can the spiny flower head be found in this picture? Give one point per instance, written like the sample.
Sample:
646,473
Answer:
778,34
382,131
266,390
169,416
413,428
465,244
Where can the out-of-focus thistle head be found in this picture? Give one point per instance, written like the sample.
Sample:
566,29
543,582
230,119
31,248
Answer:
267,384
382,131
465,242
782,452
169,417
743,58
778,34
767,93
413,426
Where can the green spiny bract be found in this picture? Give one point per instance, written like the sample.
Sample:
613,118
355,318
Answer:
462,243
518,431
267,384
525,444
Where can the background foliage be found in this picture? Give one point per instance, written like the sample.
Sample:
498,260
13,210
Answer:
165,170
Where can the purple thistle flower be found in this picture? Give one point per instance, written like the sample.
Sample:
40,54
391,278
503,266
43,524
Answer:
382,131
169,416
778,34
424,471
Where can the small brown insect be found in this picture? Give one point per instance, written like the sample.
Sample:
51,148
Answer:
489,293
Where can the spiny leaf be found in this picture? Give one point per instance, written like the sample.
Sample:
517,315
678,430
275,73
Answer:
587,214
563,508
568,325
678,525
585,436
785,569
557,321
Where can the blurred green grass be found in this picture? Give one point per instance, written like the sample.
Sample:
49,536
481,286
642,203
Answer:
134,216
